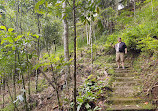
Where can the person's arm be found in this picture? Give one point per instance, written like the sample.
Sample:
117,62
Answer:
125,50
113,46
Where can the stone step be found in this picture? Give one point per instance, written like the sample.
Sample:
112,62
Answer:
128,108
127,67
127,83
124,100
126,91
123,71
125,94
125,74
124,78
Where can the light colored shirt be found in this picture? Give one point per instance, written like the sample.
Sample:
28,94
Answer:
117,47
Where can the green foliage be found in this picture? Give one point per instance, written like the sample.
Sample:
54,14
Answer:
50,59
52,33
137,32
10,107
89,92
11,43
42,84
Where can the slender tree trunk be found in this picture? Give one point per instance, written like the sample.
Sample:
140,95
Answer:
152,7
38,50
74,17
1,85
87,34
86,27
66,44
14,75
94,33
28,74
15,52
91,37
3,91
134,8
116,7
12,99
54,86
23,84
90,32
21,17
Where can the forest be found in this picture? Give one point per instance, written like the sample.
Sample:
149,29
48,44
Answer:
57,55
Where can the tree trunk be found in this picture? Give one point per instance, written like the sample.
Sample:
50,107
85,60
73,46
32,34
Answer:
15,52
21,17
87,34
12,99
66,43
28,74
152,7
38,50
14,75
3,91
134,8
54,86
90,32
74,19
91,38
23,84
116,7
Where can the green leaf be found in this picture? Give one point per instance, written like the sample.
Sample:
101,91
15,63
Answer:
19,81
78,107
18,37
41,2
89,93
10,29
40,11
80,100
97,108
35,35
3,28
30,56
46,4
57,58
38,4
88,106
98,10
13,48
57,4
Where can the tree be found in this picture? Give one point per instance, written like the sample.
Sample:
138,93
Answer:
74,21
66,44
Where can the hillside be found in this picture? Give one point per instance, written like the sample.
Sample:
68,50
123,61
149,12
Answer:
34,72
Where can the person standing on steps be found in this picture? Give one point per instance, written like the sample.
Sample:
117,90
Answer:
121,50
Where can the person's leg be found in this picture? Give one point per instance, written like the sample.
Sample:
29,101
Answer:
122,60
123,66
118,65
117,60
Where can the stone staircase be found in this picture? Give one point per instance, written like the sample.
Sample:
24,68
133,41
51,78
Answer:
126,88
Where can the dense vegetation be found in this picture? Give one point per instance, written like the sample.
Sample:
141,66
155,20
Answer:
37,38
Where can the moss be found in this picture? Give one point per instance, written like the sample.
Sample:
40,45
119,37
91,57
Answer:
10,107
147,105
